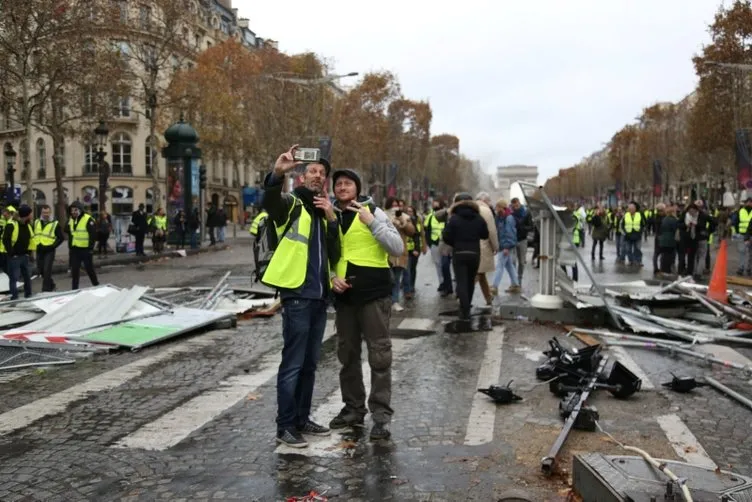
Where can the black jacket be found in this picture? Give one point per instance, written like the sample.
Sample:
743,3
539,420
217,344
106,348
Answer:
323,245
465,228
21,247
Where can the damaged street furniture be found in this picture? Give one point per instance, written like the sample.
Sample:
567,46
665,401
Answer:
573,375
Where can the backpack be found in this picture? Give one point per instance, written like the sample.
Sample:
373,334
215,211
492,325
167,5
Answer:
266,240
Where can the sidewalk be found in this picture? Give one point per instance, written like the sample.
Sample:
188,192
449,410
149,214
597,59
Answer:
61,256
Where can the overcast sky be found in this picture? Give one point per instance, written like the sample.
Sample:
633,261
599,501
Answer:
542,82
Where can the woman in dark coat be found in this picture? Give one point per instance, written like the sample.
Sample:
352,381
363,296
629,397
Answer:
600,232
667,237
463,232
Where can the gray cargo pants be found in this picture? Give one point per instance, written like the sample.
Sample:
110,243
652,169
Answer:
369,322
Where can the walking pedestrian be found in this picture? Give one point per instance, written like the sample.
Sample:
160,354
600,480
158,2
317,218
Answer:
463,233
82,234
309,245
488,247
506,226
48,235
18,239
363,296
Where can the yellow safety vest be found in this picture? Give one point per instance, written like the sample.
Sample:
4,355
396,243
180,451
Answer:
287,268
44,236
3,222
437,227
632,224
257,221
79,234
745,215
359,247
14,235
576,234
160,222
411,240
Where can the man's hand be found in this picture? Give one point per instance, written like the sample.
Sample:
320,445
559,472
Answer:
322,202
286,162
339,285
416,253
364,214
506,252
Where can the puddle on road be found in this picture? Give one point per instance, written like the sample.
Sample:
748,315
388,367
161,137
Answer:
531,354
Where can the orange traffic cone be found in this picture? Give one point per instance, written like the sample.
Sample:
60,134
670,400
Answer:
717,288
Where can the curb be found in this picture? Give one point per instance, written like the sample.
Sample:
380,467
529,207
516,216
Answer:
127,260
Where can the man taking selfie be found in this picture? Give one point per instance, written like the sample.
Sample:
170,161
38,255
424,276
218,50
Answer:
308,244
362,284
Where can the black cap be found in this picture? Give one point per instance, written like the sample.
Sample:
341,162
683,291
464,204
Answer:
24,211
348,173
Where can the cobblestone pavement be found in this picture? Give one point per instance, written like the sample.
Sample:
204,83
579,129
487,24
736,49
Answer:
193,419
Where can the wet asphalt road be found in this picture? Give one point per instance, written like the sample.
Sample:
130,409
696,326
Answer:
193,419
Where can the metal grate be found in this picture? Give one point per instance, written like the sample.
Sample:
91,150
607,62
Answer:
12,358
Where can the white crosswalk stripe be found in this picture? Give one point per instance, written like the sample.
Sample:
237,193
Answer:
22,416
480,424
173,427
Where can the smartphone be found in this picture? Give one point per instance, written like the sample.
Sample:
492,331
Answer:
307,154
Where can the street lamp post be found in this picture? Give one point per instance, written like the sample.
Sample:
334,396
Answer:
102,133
10,171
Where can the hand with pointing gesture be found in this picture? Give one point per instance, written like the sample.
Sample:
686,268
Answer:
364,214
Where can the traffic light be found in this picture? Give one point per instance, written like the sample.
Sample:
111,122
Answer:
202,177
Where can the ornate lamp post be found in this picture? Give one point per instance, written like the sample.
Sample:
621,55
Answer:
10,171
102,133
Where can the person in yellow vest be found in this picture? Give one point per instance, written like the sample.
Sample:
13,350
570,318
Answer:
253,230
7,215
158,226
632,226
82,235
308,248
18,239
741,223
48,235
433,230
363,291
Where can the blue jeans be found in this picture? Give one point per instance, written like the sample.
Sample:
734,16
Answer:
400,280
18,266
303,326
505,262
634,250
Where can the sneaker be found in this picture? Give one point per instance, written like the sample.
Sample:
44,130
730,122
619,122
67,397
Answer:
380,431
494,291
343,421
291,438
397,307
311,428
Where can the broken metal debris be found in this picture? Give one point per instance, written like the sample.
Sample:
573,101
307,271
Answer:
57,328
573,375
501,394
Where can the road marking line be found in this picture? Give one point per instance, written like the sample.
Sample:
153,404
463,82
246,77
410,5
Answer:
481,422
176,425
684,443
417,324
328,446
624,358
25,415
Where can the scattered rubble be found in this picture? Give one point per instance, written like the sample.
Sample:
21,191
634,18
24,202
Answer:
58,328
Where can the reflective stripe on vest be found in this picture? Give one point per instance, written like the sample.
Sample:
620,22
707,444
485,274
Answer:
632,224
745,215
360,248
45,236
287,268
257,221
79,234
